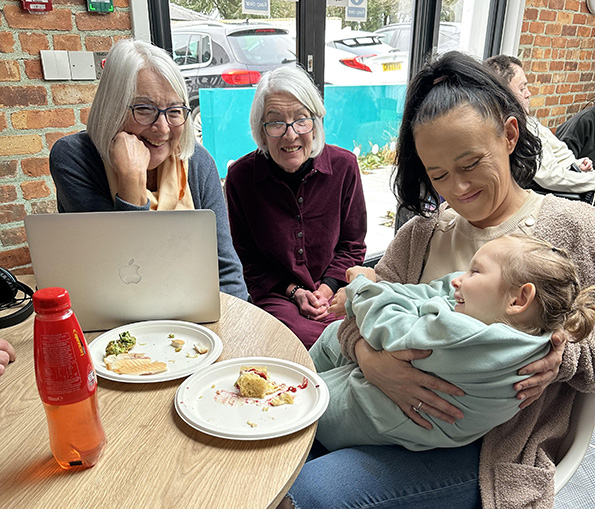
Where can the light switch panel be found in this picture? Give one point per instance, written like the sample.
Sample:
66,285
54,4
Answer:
82,65
55,65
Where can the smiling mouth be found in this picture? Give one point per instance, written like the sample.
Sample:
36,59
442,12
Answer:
155,143
469,197
290,150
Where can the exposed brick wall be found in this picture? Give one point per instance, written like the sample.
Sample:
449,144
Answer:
34,113
557,48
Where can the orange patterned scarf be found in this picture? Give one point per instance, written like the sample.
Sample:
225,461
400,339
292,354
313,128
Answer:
173,191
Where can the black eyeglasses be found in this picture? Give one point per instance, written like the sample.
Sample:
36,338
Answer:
147,114
299,126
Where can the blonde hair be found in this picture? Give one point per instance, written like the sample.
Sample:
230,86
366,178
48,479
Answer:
558,296
117,89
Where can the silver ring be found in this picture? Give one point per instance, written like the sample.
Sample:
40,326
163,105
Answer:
308,317
417,408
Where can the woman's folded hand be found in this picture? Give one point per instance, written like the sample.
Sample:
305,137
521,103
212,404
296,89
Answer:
312,305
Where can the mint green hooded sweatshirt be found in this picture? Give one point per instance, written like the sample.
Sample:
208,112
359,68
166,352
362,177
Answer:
483,360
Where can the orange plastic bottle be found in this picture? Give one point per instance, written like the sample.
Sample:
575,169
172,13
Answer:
66,381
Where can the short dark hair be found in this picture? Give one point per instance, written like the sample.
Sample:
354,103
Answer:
504,66
451,81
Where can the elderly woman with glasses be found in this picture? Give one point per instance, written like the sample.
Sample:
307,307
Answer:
139,151
296,206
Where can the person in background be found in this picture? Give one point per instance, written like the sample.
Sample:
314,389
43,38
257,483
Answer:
578,132
463,137
560,170
482,326
139,151
7,355
296,206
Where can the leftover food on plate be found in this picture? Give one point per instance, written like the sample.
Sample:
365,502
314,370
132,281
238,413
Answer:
134,364
123,344
254,382
200,349
210,400
177,344
153,344
285,398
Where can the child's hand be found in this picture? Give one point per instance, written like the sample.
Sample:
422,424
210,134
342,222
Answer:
368,272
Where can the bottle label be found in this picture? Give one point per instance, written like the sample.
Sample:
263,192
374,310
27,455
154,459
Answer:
64,370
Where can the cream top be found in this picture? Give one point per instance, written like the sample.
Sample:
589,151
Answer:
456,240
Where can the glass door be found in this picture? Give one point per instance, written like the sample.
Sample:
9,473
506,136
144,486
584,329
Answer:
223,54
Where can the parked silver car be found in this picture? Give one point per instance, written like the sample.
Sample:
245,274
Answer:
221,55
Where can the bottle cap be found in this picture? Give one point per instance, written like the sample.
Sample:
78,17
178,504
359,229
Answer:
51,300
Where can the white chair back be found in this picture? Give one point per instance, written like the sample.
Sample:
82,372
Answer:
576,443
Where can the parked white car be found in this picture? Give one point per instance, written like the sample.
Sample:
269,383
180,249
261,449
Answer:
398,35
361,58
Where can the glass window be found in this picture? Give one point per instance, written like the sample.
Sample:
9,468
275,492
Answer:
180,47
366,74
463,26
268,46
220,56
191,49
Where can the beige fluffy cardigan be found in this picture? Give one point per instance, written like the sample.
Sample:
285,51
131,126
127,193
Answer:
516,468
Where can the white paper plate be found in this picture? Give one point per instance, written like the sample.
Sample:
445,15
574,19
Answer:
152,339
209,402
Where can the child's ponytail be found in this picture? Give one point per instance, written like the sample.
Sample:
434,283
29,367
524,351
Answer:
580,320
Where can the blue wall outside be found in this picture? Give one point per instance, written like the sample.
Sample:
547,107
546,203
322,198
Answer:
355,116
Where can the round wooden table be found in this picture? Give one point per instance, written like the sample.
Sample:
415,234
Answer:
153,458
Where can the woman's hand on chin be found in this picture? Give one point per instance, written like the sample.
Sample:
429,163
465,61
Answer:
394,375
130,159
544,371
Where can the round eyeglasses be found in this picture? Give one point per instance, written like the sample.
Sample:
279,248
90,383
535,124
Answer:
299,126
147,114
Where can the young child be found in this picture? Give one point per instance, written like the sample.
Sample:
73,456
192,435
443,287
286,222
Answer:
482,327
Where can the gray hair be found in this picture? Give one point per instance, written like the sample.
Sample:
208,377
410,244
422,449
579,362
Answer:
117,89
296,82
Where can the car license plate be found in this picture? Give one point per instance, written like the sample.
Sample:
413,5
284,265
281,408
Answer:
392,66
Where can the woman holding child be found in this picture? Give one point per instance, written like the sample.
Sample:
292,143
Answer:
464,137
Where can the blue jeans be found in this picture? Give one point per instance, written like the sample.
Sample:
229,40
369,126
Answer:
390,476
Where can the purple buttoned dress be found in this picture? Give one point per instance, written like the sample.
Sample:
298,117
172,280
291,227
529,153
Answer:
284,236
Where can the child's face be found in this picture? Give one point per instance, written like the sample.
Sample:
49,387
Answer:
479,292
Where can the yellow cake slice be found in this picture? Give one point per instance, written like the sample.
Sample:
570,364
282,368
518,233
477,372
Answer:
254,382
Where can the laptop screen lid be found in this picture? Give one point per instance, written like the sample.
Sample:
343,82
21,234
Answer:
122,267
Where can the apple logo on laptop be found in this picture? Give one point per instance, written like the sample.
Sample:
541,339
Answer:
129,273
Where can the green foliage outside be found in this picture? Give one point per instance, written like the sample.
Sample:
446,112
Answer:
380,12
376,157
232,9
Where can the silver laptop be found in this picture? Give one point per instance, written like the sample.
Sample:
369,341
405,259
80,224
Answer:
122,267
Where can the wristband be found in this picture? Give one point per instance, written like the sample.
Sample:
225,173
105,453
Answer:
293,290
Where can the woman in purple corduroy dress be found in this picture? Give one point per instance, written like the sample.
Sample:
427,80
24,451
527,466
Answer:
296,206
